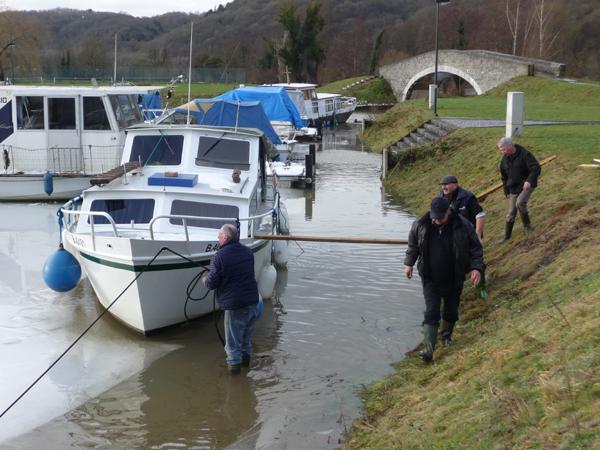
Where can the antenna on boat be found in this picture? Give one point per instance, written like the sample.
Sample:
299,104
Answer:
115,65
190,76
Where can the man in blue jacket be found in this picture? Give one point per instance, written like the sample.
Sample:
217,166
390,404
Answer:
232,275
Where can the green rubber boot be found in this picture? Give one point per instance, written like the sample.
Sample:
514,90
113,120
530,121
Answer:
446,333
430,337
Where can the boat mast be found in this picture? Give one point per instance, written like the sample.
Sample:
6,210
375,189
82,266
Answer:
115,65
190,75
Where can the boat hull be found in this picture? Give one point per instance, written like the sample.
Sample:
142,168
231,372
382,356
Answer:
158,297
25,187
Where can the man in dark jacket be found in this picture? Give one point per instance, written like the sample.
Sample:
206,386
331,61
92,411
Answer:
520,171
464,203
232,274
445,247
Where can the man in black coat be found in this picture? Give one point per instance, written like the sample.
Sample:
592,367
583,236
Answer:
445,247
232,274
520,171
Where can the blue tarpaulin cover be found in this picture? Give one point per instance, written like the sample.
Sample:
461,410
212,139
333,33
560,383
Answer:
151,101
275,101
234,114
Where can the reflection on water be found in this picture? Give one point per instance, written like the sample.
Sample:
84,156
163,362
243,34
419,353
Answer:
343,314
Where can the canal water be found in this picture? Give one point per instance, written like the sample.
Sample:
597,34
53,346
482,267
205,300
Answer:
343,314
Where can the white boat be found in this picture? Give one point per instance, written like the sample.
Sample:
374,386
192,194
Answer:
163,217
70,132
319,107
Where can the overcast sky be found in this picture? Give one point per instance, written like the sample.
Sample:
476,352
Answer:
134,7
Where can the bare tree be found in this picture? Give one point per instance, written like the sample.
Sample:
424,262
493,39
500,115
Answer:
544,14
512,16
20,37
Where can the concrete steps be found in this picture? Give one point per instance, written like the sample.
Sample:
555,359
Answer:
428,133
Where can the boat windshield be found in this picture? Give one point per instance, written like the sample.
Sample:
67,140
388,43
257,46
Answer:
138,210
201,209
126,108
223,153
158,150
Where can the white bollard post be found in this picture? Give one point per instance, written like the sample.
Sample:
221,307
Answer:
432,89
384,162
515,113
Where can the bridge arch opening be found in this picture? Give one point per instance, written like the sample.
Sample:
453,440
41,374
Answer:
451,81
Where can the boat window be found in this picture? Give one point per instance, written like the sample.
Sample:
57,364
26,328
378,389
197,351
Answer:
126,108
124,210
186,208
30,113
61,113
223,153
158,150
94,114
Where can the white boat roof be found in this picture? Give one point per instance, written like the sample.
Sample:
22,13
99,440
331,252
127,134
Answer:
300,86
80,90
182,127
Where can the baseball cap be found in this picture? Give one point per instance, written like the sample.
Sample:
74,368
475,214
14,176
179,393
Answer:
438,208
449,179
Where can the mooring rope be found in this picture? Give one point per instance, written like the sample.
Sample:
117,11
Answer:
163,249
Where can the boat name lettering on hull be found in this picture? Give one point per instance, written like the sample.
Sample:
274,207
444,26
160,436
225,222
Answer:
78,241
212,247
3,99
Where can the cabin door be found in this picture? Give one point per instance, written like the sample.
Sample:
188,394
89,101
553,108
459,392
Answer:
64,134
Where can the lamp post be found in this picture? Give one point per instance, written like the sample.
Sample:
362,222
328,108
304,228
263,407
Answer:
437,41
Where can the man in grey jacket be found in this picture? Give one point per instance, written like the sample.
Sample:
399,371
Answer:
520,171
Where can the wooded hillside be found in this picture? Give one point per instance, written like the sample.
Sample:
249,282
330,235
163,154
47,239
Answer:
237,35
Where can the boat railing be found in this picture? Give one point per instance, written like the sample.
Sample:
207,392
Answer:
185,219
91,214
71,214
86,159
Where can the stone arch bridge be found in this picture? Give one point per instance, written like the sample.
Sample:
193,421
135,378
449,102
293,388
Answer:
482,69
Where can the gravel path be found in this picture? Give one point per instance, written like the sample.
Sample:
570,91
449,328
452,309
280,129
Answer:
464,122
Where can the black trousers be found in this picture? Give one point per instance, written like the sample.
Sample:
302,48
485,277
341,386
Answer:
434,295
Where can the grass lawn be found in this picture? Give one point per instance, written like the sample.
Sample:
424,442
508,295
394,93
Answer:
544,100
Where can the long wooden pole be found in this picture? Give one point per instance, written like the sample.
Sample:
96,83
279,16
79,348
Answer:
346,240
482,196
360,240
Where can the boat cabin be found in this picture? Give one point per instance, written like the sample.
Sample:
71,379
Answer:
187,181
66,130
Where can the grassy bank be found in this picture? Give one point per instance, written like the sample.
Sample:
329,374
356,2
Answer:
374,91
523,372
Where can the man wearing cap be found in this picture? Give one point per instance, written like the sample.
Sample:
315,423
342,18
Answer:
464,203
520,171
445,247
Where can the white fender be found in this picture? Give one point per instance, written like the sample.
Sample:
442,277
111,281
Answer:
281,283
284,219
280,253
266,282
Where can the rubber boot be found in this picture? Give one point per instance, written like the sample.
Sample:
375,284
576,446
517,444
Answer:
430,337
446,333
526,222
508,227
